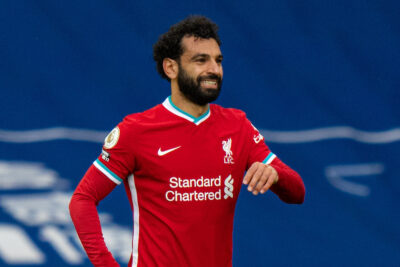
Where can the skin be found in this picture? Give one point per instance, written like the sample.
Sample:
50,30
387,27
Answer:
202,57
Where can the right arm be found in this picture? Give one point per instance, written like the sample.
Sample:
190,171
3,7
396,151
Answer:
110,169
93,187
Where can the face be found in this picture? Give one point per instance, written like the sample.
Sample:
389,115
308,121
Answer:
200,70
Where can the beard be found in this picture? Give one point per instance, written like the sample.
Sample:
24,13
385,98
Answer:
192,90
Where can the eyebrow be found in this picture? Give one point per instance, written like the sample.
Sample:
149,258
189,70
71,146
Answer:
204,55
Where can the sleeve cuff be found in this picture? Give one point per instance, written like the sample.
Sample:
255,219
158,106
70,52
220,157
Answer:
271,156
107,172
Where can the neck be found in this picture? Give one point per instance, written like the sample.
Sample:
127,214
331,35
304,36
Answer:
185,104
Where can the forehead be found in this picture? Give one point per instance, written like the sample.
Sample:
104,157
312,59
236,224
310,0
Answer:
195,45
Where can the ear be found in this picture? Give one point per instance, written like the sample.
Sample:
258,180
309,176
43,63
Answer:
170,67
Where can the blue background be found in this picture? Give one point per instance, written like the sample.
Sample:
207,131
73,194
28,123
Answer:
296,67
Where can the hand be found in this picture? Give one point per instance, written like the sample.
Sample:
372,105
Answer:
260,178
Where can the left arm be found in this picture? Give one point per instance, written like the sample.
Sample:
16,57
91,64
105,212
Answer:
277,176
266,171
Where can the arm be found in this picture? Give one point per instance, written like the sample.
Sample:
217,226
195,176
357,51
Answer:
289,187
277,176
267,171
93,187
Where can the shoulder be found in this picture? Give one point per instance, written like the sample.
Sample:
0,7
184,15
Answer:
140,118
233,118
227,113
134,123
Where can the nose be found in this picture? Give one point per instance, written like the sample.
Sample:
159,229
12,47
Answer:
214,67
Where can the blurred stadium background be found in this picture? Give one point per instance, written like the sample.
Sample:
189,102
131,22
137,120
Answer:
320,79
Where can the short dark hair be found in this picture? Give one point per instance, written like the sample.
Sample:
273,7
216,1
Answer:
169,44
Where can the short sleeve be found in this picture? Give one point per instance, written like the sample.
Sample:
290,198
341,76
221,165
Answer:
258,150
116,160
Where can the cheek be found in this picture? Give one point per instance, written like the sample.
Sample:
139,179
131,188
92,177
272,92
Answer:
193,72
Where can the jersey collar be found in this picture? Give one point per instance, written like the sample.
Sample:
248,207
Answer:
177,111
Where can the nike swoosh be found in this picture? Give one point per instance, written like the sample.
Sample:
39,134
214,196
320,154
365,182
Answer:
162,153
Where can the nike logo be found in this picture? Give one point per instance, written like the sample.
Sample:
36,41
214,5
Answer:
162,153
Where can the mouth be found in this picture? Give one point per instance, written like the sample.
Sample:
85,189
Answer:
209,83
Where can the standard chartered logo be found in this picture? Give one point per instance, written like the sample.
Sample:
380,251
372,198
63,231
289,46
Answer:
228,190
199,189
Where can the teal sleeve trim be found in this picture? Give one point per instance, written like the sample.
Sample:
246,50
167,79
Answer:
269,158
108,170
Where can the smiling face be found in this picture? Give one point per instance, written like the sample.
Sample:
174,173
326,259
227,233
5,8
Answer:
200,70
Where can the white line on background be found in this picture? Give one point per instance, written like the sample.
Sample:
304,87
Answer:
299,136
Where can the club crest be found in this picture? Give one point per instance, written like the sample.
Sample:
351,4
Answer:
226,146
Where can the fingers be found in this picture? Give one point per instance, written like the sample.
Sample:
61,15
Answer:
250,173
267,184
273,179
260,178
256,179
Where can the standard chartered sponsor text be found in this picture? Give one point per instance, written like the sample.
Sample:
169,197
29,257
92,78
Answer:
212,184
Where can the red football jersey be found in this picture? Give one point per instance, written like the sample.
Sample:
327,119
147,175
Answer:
182,176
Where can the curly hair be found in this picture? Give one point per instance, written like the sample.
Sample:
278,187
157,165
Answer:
169,43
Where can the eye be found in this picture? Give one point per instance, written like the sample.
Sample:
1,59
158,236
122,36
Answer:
201,60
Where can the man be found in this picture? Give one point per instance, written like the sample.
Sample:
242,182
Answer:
182,163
